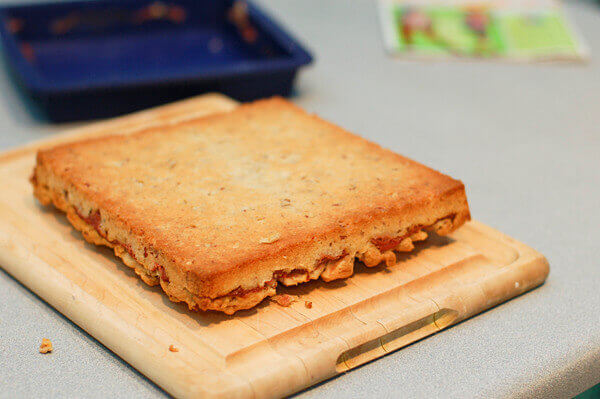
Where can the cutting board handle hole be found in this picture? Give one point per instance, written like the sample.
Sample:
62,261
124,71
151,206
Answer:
396,339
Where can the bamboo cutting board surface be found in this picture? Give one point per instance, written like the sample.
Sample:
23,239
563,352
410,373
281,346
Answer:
269,351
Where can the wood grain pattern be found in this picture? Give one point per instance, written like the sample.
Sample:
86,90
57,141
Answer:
268,351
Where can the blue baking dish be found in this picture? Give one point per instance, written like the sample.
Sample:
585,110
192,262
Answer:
90,59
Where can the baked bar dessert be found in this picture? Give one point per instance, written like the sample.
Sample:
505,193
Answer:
218,210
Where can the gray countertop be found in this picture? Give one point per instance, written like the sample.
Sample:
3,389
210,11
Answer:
525,139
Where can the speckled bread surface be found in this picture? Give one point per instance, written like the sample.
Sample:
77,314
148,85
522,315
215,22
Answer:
218,210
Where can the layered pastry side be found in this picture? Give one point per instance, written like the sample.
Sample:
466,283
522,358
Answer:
370,250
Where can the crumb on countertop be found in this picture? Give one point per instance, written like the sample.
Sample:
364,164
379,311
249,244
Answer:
284,300
46,346
173,349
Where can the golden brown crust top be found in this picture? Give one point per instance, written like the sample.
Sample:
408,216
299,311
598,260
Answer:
224,191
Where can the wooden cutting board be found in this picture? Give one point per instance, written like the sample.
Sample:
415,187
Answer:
269,351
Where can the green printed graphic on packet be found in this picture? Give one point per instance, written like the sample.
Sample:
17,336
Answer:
448,32
481,32
537,34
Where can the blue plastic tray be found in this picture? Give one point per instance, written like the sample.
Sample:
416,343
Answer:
101,58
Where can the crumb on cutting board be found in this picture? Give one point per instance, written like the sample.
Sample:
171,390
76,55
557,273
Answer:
308,304
284,300
46,346
173,349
